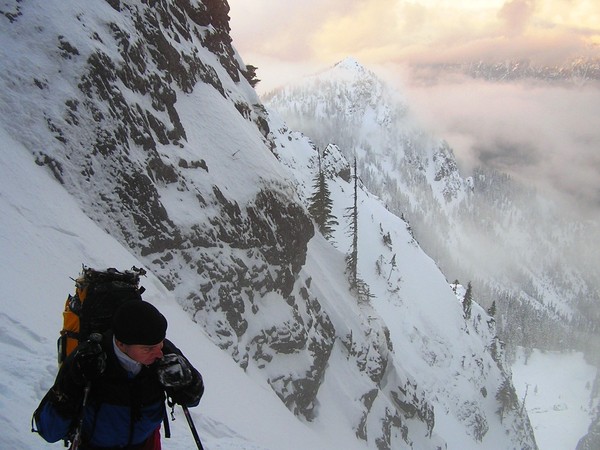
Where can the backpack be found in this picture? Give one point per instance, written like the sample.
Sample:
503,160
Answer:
98,294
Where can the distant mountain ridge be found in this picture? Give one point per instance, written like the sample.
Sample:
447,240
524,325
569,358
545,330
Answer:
486,227
578,71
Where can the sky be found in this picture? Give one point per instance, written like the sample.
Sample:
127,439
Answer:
543,135
285,37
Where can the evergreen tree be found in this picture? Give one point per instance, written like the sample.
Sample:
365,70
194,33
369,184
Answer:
320,204
393,264
352,257
507,397
359,286
492,310
495,349
468,301
250,75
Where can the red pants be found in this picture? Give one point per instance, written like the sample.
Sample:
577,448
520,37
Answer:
153,442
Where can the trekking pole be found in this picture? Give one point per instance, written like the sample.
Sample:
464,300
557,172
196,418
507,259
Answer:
79,429
190,422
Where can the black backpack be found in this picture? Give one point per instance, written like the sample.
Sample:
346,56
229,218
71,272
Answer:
98,294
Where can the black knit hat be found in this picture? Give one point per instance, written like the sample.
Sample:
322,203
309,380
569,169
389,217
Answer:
139,322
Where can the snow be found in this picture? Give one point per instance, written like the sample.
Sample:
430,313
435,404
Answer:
557,387
45,237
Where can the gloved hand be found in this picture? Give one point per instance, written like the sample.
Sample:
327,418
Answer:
174,371
89,360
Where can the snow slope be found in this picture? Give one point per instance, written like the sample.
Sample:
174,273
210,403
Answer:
557,390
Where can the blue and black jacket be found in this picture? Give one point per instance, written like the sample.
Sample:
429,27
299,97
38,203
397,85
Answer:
121,411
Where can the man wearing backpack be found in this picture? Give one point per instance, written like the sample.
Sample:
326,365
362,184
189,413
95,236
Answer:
120,378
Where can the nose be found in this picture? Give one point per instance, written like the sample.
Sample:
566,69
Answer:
156,354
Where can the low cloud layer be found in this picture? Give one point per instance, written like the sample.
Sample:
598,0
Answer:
542,134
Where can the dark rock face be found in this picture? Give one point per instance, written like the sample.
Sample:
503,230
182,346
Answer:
149,65
299,392
272,234
591,440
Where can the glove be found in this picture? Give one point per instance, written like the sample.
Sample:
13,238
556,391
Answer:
89,361
182,383
174,371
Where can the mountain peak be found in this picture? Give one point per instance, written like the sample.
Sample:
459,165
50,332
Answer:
349,63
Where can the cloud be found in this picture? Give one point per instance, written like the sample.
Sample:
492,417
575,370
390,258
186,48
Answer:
376,31
543,135
507,154
363,29
516,14
279,29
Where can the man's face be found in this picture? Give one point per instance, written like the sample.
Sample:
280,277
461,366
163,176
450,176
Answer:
144,354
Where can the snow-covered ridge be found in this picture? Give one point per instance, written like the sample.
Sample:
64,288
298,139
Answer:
578,71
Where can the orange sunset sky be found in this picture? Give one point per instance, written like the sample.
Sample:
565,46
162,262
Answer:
287,38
